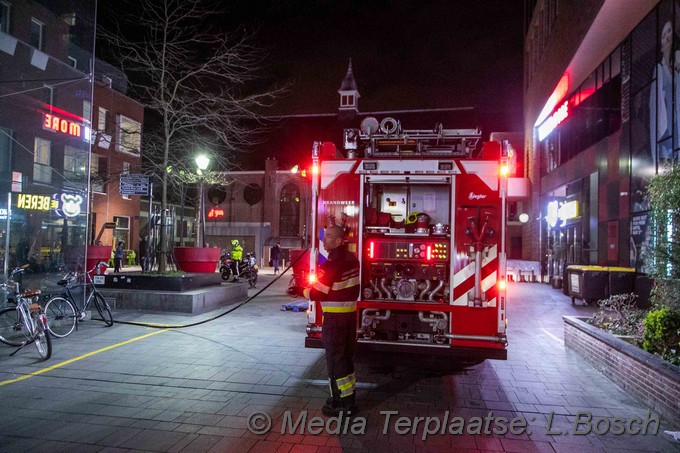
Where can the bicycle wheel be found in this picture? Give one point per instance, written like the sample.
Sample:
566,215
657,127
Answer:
103,309
61,316
42,338
12,330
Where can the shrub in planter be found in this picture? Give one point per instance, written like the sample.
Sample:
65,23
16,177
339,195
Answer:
662,334
620,315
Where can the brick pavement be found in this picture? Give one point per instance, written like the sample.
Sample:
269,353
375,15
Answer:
193,389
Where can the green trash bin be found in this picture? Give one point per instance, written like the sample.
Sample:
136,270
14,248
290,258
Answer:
588,283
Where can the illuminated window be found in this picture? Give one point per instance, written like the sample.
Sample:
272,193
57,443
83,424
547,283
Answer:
290,211
98,173
126,171
75,167
37,37
122,231
87,110
42,170
129,135
101,120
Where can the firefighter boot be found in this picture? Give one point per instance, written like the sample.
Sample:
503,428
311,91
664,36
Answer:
346,406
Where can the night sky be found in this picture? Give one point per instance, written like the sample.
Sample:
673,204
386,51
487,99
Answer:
405,54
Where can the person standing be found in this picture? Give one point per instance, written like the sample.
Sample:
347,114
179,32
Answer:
276,256
118,257
337,288
236,256
143,253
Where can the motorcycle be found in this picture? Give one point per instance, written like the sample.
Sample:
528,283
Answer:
247,268
225,266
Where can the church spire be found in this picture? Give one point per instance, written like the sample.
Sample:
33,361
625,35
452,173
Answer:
349,93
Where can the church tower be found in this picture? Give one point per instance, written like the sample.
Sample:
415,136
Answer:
349,93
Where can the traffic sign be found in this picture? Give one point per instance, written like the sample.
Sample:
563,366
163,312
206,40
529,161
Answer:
134,185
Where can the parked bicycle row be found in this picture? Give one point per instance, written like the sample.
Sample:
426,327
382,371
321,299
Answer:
29,318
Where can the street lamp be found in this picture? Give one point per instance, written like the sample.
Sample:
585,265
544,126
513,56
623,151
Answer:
202,162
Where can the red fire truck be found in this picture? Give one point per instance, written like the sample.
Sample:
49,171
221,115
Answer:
425,212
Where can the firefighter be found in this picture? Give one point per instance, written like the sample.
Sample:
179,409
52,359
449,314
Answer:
236,255
337,288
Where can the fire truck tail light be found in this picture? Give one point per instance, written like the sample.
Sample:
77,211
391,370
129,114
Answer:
429,253
312,279
502,284
371,249
315,169
504,170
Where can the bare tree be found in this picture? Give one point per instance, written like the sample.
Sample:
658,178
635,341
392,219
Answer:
195,78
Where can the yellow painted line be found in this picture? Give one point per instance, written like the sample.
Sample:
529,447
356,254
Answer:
81,357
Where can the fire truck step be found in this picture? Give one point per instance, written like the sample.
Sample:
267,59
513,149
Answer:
298,305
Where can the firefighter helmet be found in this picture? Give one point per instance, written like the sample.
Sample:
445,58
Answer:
412,218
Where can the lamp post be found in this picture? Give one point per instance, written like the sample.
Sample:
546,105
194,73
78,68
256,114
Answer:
202,162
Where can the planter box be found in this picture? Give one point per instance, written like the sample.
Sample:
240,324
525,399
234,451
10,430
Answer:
197,259
651,380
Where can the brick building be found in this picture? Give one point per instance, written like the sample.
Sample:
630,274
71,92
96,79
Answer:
117,131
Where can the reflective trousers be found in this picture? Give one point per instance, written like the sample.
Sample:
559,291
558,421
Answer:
340,341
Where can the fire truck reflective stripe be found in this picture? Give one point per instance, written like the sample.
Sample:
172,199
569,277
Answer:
346,284
321,287
464,279
346,385
338,307
469,270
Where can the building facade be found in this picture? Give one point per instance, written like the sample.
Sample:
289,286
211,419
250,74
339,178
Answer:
259,208
601,117
45,103
116,144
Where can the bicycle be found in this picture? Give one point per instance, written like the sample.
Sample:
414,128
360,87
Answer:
62,311
26,323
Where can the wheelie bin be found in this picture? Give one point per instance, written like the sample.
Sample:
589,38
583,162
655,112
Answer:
588,283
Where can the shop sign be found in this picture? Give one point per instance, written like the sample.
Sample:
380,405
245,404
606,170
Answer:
57,124
64,204
215,213
553,121
561,211
3,213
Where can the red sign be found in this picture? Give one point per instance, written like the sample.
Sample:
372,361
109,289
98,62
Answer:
215,213
55,123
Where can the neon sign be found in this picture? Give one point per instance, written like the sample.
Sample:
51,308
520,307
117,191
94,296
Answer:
63,204
58,124
563,211
215,213
36,202
553,121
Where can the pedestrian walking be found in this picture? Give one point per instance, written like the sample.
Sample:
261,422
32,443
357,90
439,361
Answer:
118,257
276,256
337,288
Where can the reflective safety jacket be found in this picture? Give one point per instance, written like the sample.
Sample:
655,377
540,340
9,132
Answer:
237,252
337,282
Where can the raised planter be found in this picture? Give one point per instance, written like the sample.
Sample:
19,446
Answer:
95,254
197,259
651,380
